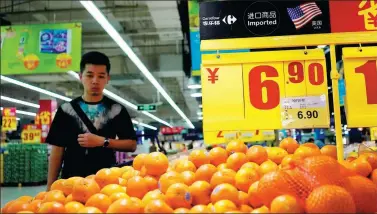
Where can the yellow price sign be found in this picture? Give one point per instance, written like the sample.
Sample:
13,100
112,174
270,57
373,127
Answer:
31,136
360,74
218,137
9,123
245,91
373,133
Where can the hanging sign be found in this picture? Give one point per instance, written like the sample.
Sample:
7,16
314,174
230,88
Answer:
360,73
31,134
9,119
373,133
218,137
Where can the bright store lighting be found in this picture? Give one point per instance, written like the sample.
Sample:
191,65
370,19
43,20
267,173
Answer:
19,102
102,20
31,87
122,101
321,46
195,86
200,106
200,113
196,94
143,124
23,112
200,118
328,87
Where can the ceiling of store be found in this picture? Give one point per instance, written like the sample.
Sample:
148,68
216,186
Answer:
151,28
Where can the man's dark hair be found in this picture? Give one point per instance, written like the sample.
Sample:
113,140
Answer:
95,58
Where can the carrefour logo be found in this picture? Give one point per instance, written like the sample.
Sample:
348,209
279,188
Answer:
229,19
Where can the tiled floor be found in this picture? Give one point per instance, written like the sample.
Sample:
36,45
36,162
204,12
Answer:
11,193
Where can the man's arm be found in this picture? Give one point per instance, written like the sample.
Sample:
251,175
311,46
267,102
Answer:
54,166
90,140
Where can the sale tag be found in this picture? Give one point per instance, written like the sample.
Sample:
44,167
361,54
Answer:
305,112
9,123
373,133
244,91
360,74
220,137
31,136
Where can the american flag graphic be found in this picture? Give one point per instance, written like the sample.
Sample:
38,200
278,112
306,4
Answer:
303,14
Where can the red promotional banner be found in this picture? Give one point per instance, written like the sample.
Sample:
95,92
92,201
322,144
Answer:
172,130
46,110
353,16
9,112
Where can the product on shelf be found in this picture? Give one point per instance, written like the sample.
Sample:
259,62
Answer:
290,178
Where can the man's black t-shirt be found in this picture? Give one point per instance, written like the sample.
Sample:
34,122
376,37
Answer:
109,118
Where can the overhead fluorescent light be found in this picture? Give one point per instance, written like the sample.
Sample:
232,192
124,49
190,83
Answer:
34,88
200,118
200,106
195,86
23,112
19,102
200,113
102,20
196,94
143,124
123,101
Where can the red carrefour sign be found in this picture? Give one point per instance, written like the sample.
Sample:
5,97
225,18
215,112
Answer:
353,16
172,130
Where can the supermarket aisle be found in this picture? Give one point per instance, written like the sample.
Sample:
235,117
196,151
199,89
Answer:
11,193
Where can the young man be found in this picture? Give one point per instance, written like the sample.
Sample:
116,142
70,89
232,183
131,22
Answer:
83,132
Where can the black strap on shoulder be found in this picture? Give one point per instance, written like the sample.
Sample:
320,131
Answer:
84,118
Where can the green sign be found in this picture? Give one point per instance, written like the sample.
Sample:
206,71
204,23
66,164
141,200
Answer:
147,107
40,49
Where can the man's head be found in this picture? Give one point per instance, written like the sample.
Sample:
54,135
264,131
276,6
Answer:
94,72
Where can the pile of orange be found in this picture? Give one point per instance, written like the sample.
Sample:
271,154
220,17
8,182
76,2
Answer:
291,178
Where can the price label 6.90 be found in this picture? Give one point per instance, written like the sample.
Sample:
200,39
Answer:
265,90
360,74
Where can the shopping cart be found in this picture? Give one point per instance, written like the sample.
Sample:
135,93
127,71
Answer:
130,162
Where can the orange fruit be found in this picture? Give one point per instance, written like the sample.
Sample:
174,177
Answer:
89,210
6,206
25,212
200,192
252,165
310,145
222,166
200,209
199,158
363,192
350,159
254,200
105,176
361,167
276,154
90,176
181,210
83,189
285,204
218,156
100,201
157,206
18,206
178,195
245,177
117,171
245,208
68,199
137,187
188,177
330,199
243,198
125,205
305,151
236,160
34,205
330,150
51,207
55,196
73,207
263,209
223,176
67,185
205,172
118,195
156,163
257,154
289,144
371,158
152,195
138,161
152,182
236,146
185,165
223,206
57,185
169,178
224,192
111,189
373,176
129,174
40,195
268,166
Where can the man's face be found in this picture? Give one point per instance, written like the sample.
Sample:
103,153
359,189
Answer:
94,79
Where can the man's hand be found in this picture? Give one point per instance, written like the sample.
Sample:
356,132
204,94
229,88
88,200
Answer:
89,140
